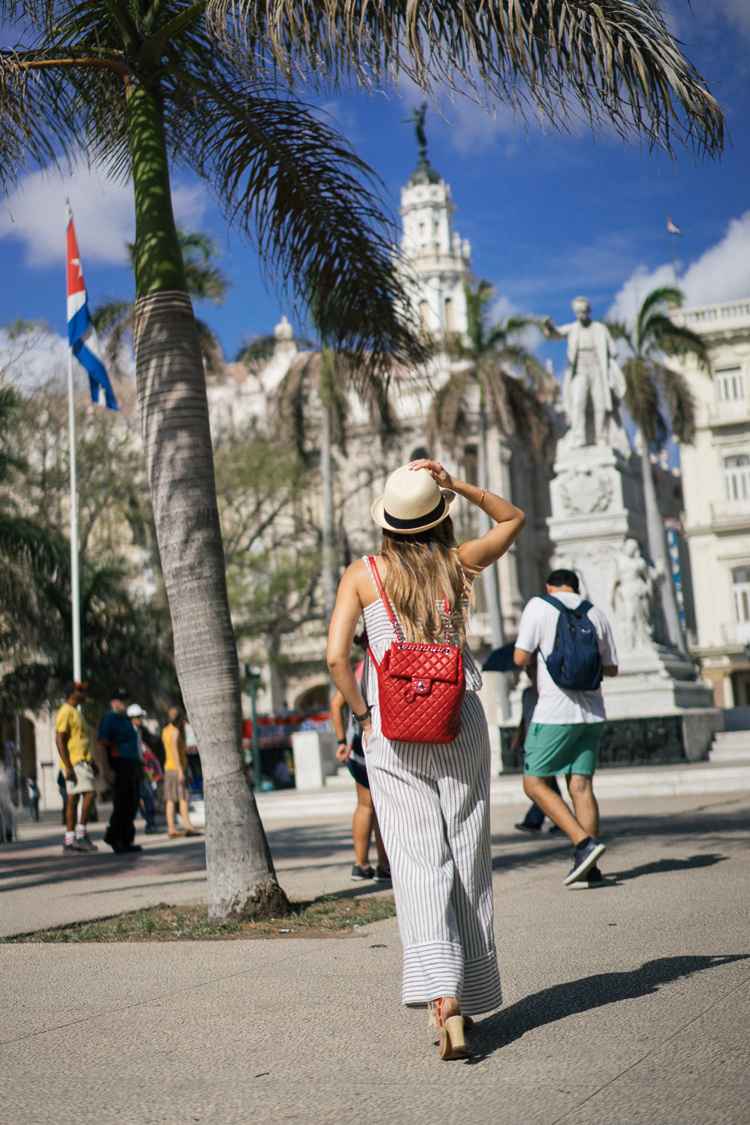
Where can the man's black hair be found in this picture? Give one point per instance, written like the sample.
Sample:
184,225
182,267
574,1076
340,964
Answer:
564,578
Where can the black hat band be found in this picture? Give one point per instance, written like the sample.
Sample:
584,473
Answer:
418,521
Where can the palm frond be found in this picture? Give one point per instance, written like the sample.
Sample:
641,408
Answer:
619,330
211,349
478,298
642,399
659,299
447,416
617,60
51,113
675,340
531,422
292,396
203,278
41,552
287,179
679,400
256,351
493,381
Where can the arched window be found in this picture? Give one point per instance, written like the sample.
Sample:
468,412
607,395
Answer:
448,318
418,454
424,315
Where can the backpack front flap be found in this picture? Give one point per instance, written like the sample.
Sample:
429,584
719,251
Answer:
413,659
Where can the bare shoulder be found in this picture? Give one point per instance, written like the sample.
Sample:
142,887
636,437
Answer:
362,578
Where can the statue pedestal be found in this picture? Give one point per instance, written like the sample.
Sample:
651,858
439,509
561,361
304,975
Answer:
597,506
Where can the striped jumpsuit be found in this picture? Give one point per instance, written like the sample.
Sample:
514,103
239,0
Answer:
432,804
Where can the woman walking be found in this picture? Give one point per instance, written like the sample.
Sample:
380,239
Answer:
349,751
431,798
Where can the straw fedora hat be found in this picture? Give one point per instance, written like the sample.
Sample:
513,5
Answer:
412,502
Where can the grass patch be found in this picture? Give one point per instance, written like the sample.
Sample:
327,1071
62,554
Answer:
328,916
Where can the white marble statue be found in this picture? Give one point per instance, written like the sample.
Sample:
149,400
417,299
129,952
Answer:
632,595
593,373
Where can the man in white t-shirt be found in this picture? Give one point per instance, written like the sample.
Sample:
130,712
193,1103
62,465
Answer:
566,727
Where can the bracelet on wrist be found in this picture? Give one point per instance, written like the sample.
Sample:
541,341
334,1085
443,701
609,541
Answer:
342,742
363,717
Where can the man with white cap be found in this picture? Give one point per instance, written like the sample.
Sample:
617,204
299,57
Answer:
146,743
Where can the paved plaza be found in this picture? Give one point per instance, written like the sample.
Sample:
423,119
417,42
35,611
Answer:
626,1004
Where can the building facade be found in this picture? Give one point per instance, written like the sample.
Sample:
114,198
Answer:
716,483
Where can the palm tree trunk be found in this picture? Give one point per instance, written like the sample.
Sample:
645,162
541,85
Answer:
179,461
657,546
489,574
329,547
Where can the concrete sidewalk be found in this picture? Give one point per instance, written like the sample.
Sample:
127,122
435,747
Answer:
624,1006
39,887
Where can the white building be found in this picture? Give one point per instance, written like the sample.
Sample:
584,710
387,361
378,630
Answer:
716,481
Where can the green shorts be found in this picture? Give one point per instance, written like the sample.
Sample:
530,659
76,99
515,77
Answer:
562,748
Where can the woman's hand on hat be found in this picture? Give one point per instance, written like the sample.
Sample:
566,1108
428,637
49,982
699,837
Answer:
439,474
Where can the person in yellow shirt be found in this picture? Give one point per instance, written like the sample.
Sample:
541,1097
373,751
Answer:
175,771
78,766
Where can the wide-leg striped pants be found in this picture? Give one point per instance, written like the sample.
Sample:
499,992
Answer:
432,803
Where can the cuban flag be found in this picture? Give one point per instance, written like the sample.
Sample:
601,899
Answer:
81,331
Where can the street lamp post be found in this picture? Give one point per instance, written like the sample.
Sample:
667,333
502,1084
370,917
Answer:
253,680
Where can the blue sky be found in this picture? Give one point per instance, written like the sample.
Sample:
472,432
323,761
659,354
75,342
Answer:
548,215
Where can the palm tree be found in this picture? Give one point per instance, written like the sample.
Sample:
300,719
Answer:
330,377
482,379
139,86
660,402
204,282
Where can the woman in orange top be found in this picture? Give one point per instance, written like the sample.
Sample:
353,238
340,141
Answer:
175,768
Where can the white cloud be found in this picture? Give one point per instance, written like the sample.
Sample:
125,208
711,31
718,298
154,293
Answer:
34,212
33,357
721,273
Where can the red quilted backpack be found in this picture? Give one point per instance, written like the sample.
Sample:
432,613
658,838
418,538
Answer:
420,686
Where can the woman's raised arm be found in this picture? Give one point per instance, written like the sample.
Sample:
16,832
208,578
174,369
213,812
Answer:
476,554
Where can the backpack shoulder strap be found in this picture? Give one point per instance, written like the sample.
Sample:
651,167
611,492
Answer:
584,607
384,597
553,601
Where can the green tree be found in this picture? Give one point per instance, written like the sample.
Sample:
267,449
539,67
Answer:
206,84
126,632
496,376
660,402
204,281
272,543
31,556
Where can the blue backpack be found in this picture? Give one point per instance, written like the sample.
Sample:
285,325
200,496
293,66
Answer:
575,663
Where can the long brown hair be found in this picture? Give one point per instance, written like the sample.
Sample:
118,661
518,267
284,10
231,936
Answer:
423,571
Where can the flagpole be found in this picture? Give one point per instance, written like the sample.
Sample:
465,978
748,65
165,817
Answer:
75,589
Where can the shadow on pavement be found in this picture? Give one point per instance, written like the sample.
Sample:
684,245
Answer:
721,827
660,866
576,996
